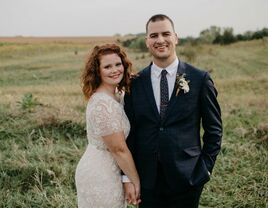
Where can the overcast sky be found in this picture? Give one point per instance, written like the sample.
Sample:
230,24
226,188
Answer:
109,17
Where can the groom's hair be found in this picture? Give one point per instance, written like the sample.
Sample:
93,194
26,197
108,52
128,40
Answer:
159,17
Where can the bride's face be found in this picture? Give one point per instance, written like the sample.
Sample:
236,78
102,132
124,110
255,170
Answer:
111,69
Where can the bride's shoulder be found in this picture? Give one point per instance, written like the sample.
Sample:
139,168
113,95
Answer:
101,100
99,97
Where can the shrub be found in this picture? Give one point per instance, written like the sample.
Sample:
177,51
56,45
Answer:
137,43
28,102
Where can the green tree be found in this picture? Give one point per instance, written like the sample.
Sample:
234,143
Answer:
209,35
139,44
226,38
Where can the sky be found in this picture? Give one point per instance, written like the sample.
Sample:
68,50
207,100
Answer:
110,17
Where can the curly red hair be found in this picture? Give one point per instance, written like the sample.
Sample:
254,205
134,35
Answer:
91,78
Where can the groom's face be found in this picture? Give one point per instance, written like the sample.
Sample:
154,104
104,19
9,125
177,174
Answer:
161,40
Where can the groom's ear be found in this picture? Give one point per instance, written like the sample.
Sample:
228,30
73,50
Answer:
177,38
146,40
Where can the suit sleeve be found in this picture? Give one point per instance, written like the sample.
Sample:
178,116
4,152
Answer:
128,107
129,110
211,122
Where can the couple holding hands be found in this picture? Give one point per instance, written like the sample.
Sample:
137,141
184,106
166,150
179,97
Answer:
144,144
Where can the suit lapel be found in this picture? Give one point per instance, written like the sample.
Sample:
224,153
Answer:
175,99
147,84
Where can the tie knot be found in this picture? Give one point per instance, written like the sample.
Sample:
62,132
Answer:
163,72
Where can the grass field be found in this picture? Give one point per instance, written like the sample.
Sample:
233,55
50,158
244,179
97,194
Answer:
42,121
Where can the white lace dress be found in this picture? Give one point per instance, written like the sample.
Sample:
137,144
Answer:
98,177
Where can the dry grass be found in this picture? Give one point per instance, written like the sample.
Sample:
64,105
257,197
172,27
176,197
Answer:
42,142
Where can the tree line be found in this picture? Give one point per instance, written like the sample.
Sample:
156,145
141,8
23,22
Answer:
212,35
217,35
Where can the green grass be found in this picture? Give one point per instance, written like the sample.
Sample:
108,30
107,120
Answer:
42,126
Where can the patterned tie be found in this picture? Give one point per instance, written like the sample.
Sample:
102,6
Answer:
163,93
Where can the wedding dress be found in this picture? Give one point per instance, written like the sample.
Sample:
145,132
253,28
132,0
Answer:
98,177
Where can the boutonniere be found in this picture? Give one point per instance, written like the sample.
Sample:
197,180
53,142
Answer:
182,83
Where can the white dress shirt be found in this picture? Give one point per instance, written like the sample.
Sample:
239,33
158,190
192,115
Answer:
156,76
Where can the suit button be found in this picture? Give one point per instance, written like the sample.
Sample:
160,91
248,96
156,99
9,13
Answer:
161,129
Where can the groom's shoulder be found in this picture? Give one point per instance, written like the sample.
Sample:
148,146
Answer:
142,73
193,70
145,70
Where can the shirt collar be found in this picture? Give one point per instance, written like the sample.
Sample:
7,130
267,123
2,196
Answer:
171,69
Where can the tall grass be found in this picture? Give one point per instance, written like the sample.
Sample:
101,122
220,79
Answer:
42,124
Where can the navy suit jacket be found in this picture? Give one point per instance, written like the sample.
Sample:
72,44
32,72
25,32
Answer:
174,142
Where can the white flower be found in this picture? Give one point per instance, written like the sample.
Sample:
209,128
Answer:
182,83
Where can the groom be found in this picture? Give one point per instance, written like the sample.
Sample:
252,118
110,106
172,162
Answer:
166,105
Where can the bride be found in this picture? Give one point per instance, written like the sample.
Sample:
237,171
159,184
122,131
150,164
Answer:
98,173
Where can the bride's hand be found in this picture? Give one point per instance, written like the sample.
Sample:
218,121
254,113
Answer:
132,193
137,192
129,189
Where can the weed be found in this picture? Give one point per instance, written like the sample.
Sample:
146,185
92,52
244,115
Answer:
28,102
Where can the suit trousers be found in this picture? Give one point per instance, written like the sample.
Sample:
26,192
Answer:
163,197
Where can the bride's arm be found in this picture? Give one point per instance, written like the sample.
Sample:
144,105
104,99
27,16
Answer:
118,148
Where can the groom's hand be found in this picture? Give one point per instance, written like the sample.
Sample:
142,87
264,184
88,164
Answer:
131,193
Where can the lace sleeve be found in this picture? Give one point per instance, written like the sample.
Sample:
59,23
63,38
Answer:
106,117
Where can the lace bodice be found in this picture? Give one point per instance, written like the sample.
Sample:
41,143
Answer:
105,116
